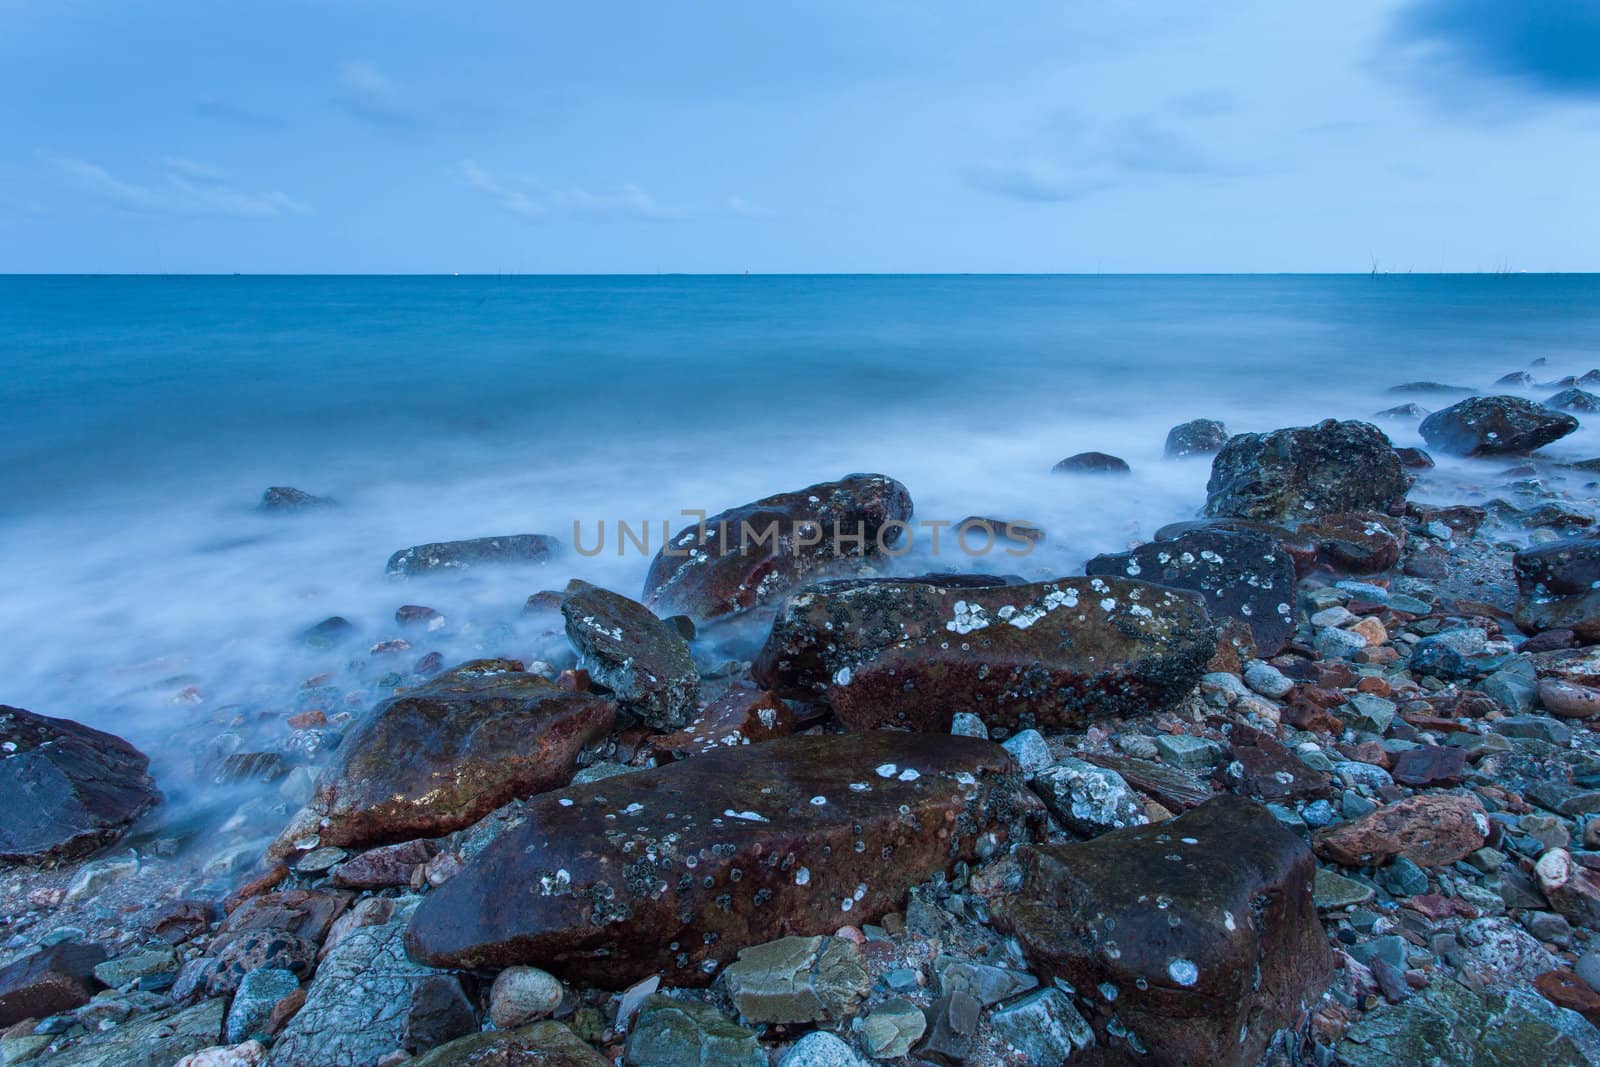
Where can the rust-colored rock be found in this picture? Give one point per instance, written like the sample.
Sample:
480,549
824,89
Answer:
740,716
387,865
1430,830
1359,542
1561,986
754,553
671,871
442,756
54,979
1203,929
910,654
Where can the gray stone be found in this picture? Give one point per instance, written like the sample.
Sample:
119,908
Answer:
985,982
1404,878
1356,774
521,995
1338,644
157,1040
1535,728
1334,891
93,877
889,1031
1588,969
1337,616
1448,1025
1189,753
1088,799
357,1006
797,980
1030,751
1510,689
1044,1027
1392,949
966,724
820,1049
952,1026
1365,711
1266,679
644,661
685,1033
134,966
258,993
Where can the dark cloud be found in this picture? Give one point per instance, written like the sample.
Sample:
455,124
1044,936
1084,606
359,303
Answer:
1550,47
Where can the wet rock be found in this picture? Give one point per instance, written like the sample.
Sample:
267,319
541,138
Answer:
388,865
820,1049
66,789
1414,459
544,1044
1519,378
644,661
1568,700
1574,400
1429,766
1239,574
1402,411
1361,542
477,552
797,980
521,995
283,498
1557,587
741,716
1197,437
438,758
683,1033
1495,425
1231,948
1449,1025
1044,1027
1429,389
1262,767
50,980
987,983
357,1007
329,633
889,1030
1091,463
439,1012
1431,830
912,655
730,564
157,1040
1571,889
258,994
673,870
1296,474
1088,799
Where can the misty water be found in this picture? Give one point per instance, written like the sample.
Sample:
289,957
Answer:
145,592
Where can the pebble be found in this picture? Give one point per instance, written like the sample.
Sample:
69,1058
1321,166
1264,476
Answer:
1030,751
1568,700
1334,643
966,724
1337,616
1266,679
1189,753
820,1049
521,995
889,1031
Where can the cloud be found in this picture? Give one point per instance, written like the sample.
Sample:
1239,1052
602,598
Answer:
1544,47
1039,183
186,187
375,98
530,199
232,114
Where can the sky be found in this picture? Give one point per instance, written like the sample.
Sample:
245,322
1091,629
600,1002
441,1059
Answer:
815,136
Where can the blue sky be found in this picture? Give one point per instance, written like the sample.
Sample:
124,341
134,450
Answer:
818,136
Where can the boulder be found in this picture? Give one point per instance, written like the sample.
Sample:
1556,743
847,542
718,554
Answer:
159,1039
672,870
477,552
1239,574
440,757
1197,937
1360,542
66,789
752,554
1296,474
53,979
1430,830
1091,463
1574,400
1495,425
644,661
282,498
1197,437
543,1044
357,1007
1558,587
884,652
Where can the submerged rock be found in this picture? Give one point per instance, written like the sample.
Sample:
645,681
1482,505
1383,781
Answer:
442,756
911,654
1558,587
477,552
1091,463
1195,938
66,789
1240,574
1296,474
1574,400
1495,425
671,871
644,661
1197,437
288,498
751,554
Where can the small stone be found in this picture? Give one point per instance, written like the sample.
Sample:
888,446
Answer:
1367,712
1266,679
521,995
890,1031
797,980
1189,753
119,972
966,724
1030,751
1372,630
1571,889
1044,1027
1568,700
1091,463
683,1033
1333,892
1089,799
1338,644
820,1049
1433,765
1337,616
258,994
1535,727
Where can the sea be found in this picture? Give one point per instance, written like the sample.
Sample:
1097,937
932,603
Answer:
145,592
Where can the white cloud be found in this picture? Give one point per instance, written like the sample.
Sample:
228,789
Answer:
371,95
184,187
531,199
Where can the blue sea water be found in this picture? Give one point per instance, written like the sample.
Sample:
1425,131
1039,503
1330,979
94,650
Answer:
145,415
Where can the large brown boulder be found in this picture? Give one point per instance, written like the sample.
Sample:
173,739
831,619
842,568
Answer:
1495,425
1240,574
1196,937
911,654
671,871
755,553
66,789
1299,473
644,661
442,756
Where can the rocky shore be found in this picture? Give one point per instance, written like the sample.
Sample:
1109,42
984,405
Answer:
1313,778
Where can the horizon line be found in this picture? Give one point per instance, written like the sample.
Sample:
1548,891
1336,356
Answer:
799,274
